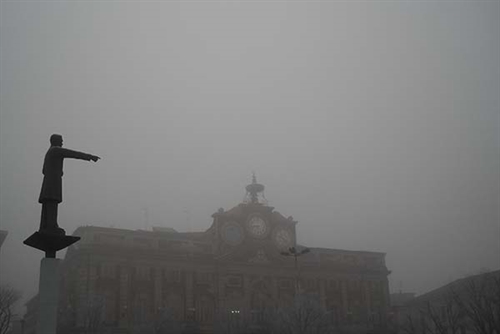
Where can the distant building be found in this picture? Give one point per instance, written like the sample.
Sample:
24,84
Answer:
397,303
30,317
16,325
401,298
3,236
460,307
124,281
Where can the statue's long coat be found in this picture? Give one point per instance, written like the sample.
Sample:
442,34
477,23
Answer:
53,172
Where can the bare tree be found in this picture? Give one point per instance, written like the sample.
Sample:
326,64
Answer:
93,315
165,322
256,322
230,322
410,326
8,297
443,318
479,301
304,316
471,304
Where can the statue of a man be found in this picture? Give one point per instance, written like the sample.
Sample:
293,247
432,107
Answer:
51,193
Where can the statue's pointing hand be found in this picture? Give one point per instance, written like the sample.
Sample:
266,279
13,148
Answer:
94,158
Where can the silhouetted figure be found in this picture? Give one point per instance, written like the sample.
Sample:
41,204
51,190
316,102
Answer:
51,193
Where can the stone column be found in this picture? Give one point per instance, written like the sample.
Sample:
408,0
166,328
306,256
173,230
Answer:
221,293
322,292
82,281
275,291
386,301
190,307
367,300
92,281
123,292
48,294
247,295
158,289
343,293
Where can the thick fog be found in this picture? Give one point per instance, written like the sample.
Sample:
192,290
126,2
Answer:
375,124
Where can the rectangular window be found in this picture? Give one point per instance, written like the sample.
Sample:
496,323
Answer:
142,273
109,238
164,244
234,281
108,270
109,307
310,284
332,284
202,278
333,313
143,242
285,284
349,259
141,309
172,276
175,276
257,316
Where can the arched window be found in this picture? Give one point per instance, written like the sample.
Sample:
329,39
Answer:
141,308
204,309
174,303
110,300
260,301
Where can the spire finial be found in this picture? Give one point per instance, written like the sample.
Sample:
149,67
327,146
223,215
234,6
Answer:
254,189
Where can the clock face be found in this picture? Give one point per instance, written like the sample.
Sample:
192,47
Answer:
232,233
283,238
257,226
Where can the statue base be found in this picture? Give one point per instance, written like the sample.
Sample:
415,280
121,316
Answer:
50,243
48,296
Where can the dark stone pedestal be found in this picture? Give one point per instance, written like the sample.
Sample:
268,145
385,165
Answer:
50,243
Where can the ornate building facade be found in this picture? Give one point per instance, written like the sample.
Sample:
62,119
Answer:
125,281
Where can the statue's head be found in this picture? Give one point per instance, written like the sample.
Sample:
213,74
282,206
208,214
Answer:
56,140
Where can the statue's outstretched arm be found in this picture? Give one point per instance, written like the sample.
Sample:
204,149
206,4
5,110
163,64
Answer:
67,153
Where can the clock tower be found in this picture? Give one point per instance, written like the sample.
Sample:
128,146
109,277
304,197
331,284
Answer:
252,231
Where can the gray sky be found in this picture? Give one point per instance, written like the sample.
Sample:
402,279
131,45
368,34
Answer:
375,124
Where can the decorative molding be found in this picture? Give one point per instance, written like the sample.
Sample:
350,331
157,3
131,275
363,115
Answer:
260,257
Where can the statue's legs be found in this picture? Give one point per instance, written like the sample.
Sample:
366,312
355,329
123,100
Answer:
48,222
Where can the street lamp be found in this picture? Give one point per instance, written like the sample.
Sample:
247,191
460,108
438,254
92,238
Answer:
292,251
